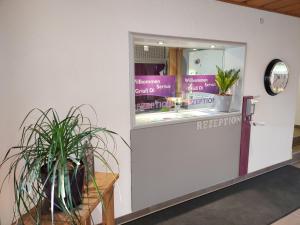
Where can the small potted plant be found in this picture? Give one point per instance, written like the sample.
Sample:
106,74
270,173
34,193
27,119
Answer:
225,79
52,160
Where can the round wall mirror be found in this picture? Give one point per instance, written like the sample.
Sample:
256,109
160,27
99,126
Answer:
276,77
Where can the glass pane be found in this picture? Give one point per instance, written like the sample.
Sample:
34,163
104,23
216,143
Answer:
179,76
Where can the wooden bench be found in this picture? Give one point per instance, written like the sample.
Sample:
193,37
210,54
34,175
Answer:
105,182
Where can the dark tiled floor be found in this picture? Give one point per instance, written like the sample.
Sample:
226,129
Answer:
293,218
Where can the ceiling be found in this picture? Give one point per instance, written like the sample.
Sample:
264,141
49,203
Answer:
288,7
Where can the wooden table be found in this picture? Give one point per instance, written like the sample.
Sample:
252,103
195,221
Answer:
105,182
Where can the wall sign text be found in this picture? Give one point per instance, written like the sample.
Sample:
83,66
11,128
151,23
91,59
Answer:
220,122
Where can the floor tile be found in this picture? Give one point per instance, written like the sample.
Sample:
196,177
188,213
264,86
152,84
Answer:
292,219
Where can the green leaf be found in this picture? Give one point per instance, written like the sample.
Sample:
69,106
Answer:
225,79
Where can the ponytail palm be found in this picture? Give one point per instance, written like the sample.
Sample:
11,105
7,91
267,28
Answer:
225,79
54,143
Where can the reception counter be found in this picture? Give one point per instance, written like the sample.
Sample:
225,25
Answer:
174,154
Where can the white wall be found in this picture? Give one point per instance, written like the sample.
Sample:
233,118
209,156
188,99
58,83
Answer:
61,53
209,58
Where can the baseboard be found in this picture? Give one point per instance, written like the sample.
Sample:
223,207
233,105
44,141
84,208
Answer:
170,203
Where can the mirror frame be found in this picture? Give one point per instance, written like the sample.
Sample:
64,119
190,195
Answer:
267,76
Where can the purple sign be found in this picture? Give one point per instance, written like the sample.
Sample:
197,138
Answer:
163,86
199,83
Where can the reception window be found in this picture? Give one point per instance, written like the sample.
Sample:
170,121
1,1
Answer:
175,78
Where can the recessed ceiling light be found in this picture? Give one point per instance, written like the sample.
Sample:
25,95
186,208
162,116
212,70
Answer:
160,42
194,49
212,46
146,48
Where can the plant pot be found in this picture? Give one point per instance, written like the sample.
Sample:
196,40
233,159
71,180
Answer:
76,186
223,102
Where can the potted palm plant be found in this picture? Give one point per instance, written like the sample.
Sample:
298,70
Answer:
225,79
52,160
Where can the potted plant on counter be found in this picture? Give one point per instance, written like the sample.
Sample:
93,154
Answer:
225,79
51,161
